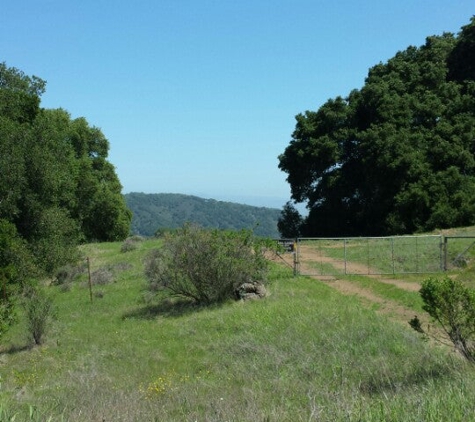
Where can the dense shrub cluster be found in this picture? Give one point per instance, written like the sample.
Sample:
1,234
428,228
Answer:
206,265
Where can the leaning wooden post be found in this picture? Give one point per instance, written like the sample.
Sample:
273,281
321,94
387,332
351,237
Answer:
89,274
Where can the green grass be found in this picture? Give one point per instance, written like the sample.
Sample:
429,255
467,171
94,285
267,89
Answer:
304,353
389,291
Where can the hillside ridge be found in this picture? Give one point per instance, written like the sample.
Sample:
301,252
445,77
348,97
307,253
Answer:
155,211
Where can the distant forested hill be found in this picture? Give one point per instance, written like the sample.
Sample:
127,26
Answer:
169,210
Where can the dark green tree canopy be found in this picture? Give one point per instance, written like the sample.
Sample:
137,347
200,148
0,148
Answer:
396,156
290,222
56,186
462,58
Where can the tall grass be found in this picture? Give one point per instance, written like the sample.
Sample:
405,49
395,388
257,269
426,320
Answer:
304,353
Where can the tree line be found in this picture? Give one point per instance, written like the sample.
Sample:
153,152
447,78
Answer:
57,188
396,156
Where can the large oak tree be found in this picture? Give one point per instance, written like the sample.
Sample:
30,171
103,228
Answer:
396,156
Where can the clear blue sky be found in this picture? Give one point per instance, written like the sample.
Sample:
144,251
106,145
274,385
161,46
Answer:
200,97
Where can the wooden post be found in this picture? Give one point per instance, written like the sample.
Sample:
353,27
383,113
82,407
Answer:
445,252
296,261
89,274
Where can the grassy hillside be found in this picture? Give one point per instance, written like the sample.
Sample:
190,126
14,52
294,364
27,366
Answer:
169,210
305,353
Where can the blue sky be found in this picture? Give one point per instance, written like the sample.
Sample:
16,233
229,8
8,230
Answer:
200,97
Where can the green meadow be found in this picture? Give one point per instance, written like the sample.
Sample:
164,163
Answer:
304,353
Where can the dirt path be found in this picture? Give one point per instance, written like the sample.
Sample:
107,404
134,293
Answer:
384,306
368,298
308,255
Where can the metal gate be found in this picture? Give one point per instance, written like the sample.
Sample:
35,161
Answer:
458,251
369,255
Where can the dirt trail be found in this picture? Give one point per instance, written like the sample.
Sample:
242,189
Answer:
392,309
309,255
385,306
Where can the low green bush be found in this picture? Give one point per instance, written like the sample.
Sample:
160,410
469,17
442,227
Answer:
102,276
206,266
39,311
7,313
128,245
452,305
68,273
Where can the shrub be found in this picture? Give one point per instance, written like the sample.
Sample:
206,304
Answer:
38,310
128,245
452,305
7,313
102,276
206,265
68,273
137,238
55,244
121,266
164,231
16,269
7,308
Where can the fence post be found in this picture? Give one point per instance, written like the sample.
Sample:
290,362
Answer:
392,255
296,260
368,257
445,252
89,277
344,248
417,256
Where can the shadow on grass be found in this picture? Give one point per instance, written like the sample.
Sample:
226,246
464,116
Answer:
167,308
11,350
382,385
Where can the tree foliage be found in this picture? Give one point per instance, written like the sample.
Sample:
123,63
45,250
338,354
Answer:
290,222
396,156
15,268
56,181
56,186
